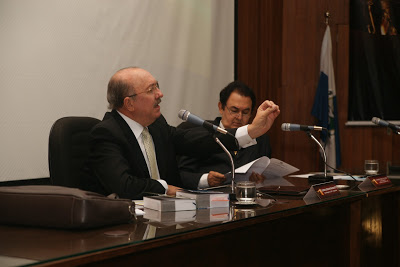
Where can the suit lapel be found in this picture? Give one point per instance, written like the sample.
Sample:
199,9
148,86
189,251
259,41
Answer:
136,152
217,121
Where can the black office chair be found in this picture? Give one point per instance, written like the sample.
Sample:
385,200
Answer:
68,149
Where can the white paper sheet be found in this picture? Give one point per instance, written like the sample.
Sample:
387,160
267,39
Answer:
273,169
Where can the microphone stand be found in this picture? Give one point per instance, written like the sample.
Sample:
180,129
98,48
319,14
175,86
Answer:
232,194
318,177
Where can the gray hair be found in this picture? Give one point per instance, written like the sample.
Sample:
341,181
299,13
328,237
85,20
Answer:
118,89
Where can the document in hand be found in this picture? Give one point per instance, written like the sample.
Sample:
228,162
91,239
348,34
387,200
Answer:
166,203
273,169
206,198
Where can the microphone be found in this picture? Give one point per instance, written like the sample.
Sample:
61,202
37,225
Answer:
298,127
187,116
380,122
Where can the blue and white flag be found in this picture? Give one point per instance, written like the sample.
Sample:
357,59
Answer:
325,107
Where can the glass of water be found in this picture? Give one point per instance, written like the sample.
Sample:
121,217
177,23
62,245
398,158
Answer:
371,166
246,192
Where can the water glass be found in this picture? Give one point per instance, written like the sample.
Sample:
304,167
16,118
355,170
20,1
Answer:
246,192
371,166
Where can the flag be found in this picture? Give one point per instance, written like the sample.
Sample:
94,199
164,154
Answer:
325,107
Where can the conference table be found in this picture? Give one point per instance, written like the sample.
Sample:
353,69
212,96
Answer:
355,228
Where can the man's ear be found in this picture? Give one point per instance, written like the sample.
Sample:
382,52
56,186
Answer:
129,104
220,107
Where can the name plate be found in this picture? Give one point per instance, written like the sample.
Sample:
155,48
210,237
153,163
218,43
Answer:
321,191
326,190
375,182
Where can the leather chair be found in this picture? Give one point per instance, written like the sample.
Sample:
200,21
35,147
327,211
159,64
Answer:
68,149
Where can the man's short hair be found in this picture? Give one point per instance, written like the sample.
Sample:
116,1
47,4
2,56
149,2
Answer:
118,89
239,87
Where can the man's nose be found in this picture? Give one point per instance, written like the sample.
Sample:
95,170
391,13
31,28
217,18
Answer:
239,115
159,94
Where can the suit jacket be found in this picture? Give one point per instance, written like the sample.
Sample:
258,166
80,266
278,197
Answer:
192,168
116,163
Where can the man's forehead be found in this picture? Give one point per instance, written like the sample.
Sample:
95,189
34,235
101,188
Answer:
236,97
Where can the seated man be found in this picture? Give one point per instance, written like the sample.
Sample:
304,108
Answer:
133,149
236,104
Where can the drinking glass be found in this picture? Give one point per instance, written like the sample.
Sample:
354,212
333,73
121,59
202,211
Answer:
371,166
246,192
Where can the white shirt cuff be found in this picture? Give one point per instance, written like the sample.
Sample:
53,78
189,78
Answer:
203,182
243,137
164,184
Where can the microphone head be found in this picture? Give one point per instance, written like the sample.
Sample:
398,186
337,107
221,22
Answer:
285,126
183,114
375,120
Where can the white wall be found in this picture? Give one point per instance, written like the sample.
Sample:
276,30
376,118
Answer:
56,57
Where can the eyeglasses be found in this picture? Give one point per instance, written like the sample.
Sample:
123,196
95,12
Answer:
236,113
149,91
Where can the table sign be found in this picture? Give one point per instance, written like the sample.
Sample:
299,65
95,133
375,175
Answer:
321,191
375,182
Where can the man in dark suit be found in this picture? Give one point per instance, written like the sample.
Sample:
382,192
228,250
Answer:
237,101
126,160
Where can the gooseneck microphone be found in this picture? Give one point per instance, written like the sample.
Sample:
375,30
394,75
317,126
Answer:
298,127
383,123
187,116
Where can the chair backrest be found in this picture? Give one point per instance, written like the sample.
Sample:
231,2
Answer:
68,149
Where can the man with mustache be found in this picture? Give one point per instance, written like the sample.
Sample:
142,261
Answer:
133,150
236,103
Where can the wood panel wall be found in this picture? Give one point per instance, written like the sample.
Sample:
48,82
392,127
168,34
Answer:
278,55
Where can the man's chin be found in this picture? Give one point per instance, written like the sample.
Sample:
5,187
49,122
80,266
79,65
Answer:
158,112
